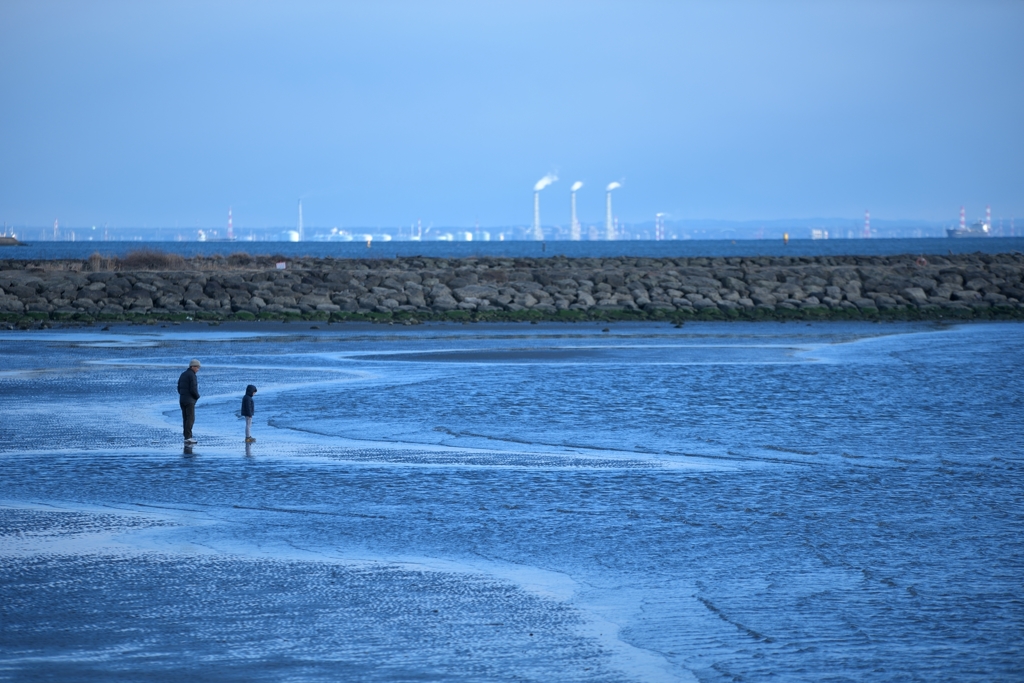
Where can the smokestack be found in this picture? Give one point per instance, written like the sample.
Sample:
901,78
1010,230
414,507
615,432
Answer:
609,224
988,216
659,226
231,226
300,231
963,219
538,232
867,224
575,225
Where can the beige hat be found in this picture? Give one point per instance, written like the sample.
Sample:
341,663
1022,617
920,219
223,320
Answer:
194,363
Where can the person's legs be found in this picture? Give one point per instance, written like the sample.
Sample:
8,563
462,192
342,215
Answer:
248,426
188,418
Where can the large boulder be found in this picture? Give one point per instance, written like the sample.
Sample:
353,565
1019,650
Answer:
915,295
444,302
475,292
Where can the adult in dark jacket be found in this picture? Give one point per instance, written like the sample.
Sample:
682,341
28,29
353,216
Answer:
188,394
248,410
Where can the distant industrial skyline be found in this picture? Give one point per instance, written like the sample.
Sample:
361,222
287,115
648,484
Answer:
659,227
448,112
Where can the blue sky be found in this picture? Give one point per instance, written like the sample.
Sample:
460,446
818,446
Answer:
381,113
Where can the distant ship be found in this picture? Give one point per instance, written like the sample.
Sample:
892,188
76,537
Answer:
977,229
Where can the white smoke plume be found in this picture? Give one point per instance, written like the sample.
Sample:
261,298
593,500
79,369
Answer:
577,185
612,186
544,182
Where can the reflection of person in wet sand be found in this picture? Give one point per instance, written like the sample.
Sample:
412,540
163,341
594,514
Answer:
188,394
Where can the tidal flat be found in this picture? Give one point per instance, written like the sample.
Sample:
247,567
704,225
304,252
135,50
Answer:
716,501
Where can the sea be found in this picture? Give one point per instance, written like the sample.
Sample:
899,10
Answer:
533,249
523,502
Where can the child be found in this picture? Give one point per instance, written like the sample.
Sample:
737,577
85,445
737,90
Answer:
248,409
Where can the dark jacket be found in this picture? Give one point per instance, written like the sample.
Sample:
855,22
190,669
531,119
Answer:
188,387
248,405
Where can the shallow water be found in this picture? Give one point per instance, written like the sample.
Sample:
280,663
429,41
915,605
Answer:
523,502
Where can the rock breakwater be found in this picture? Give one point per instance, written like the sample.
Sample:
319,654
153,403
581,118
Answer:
244,288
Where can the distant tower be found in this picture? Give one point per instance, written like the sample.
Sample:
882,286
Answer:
231,226
867,224
988,216
574,227
538,231
609,223
963,219
659,226
300,231
609,227
54,229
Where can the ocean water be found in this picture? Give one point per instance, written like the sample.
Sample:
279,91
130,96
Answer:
715,502
520,249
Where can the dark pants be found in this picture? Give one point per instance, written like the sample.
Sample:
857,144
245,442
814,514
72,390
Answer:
188,417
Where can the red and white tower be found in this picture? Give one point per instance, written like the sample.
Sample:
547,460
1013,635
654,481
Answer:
988,216
867,224
963,219
231,226
659,226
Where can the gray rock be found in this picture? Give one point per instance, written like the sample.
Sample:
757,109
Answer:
885,302
316,300
976,284
526,300
764,299
463,280
476,292
444,302
11,304
915,295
